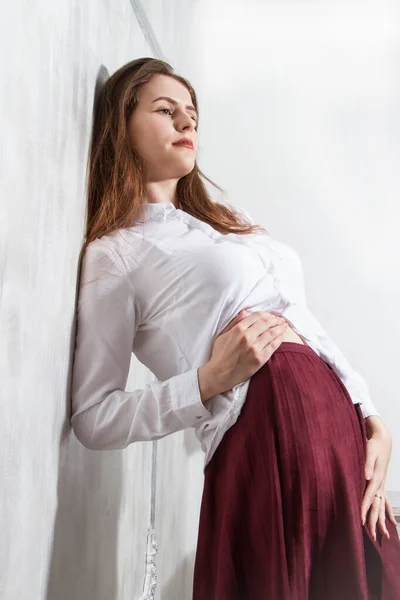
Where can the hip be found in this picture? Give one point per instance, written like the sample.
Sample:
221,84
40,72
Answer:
299,398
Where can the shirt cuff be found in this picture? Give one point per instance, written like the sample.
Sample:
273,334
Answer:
186,401
368,409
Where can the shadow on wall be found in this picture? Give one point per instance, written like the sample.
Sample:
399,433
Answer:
84,552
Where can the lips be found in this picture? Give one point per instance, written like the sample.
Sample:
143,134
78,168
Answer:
186,143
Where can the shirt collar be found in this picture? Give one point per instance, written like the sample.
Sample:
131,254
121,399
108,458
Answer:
155,211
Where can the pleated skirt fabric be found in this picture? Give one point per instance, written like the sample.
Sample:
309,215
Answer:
280,514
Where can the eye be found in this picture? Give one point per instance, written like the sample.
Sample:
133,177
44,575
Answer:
162,109
169,110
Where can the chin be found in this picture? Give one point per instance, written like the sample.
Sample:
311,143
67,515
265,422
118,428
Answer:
184,170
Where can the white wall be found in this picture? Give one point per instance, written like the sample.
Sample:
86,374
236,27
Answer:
305,126
73,522
298,123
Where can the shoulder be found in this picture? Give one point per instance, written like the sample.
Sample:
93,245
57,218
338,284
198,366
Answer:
100,254
239,210
118,250
284,250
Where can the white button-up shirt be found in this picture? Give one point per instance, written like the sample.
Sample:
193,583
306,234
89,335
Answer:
164,289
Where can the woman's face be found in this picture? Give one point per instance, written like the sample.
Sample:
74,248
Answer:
155,125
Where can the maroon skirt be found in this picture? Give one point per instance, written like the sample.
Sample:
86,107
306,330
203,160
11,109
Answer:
280,514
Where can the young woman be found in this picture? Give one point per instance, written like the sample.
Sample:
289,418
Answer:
216,309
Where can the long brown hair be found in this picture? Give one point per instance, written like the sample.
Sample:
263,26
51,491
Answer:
115,182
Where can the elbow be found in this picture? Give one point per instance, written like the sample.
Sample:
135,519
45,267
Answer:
91,434
85,433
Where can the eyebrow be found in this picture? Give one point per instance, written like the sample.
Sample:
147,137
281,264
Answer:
168,99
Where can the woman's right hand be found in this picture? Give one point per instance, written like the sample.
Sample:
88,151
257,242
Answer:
240,350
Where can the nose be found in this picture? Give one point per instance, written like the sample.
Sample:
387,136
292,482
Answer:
186,122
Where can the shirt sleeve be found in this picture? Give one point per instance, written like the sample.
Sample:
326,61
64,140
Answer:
104,415
353,381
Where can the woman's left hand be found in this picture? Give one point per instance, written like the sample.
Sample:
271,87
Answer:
378,452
